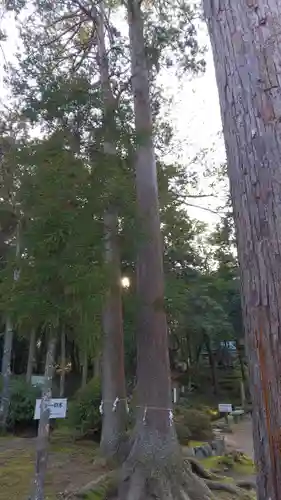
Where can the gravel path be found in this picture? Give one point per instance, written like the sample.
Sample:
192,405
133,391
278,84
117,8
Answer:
241,437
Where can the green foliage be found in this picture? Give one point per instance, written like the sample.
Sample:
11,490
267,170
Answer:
62,182
84,414
22,403
183,433
196,422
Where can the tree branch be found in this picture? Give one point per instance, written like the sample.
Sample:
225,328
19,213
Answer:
203,208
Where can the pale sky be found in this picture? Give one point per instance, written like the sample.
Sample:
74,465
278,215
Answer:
195,115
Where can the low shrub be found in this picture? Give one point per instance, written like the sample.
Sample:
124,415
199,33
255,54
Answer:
22,403
183,434
197,422
84,414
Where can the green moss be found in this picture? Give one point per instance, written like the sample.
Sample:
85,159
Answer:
245,467
96,495
210,462
15,476
196,444
103,489
17,467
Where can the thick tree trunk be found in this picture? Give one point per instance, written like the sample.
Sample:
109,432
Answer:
62,363
153,468
113,373
6,375
212,363
245,38
43,431
31,352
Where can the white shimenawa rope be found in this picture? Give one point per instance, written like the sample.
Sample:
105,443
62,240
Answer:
114,405
171,415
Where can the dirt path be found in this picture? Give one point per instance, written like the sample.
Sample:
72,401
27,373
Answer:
241,437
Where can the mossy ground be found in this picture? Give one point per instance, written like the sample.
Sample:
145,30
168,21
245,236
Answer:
245,467
195,444
71,465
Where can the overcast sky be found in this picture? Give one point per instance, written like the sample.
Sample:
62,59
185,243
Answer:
195,116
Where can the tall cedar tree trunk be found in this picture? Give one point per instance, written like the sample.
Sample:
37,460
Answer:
153,468
113,373
62,363
6,374
212,363
31,352
44,425
245,37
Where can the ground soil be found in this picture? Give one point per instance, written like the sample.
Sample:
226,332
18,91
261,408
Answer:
72,464
241,437
70,467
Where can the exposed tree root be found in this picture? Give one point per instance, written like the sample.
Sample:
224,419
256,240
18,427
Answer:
174,481
247,485
164,484
200,471
177,479
227,487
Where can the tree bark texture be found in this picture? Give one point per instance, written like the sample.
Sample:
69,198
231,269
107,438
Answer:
154,468
153,370
31,352
62,363
246,43
113,373
6,374
44,425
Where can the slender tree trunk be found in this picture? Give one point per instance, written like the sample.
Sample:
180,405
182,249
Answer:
245,37
113,373
44,425
62,363
198,352
6,375
212,363
97,367
7,354
84,369
240,351
31,353
153,468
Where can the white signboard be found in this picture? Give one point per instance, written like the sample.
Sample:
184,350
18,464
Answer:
58,407
37,380
225,408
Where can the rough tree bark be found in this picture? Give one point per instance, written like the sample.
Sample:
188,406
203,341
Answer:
114,402
154,467
31,352
6,374
44,425
246,42
63,362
